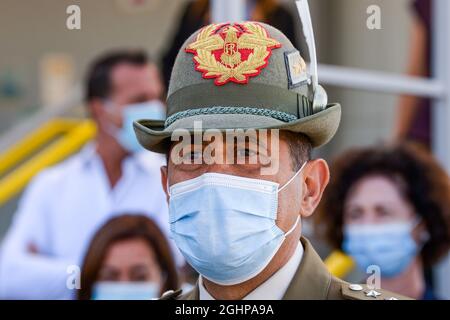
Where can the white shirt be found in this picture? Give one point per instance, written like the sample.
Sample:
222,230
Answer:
62,209
273,288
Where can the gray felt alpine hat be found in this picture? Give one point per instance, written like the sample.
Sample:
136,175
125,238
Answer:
240,76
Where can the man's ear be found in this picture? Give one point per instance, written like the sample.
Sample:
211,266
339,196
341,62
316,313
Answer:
164,177
102,117
316,178
97,110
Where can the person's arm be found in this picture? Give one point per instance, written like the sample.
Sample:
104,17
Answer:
27,269
417,66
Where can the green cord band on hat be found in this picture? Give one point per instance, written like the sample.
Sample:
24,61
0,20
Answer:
252,95
279,115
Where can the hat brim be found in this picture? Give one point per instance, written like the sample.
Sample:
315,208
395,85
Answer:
319,128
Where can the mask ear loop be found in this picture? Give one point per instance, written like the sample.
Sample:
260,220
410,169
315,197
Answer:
168,187
293,177
284,186
293,227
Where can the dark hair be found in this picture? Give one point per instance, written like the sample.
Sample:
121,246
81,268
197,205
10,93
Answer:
122,228
98,80
300,148
422,181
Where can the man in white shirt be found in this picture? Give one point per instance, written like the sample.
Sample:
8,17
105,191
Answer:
65,205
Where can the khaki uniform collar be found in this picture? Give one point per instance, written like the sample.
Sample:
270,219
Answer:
312,280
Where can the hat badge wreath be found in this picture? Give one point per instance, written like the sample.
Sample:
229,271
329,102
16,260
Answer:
232,52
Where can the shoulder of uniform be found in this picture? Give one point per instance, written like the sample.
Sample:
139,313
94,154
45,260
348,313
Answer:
170,295
363,292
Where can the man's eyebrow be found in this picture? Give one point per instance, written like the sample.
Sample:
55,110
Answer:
248,139
251,139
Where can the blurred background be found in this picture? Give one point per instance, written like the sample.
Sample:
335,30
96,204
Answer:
43,67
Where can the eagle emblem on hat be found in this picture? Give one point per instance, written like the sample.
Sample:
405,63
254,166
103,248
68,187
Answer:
232,52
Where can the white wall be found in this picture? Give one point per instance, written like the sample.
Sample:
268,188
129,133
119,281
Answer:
367,117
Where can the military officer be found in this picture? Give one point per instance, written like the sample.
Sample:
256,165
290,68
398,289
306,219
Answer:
237,224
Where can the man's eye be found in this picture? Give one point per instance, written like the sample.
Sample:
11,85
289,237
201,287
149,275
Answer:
246,153
192,156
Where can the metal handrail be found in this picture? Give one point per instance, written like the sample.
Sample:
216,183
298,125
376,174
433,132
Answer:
34,141
380,81
43,115
57,151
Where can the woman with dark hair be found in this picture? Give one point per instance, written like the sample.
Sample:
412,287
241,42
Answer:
128,258
389,207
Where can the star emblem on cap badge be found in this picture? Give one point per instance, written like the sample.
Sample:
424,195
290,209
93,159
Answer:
232,52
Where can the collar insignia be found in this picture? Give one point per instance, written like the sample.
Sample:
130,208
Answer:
232,52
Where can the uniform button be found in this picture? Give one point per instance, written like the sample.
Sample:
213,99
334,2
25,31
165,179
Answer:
355,287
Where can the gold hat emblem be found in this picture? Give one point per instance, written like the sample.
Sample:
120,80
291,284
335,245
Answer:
232,52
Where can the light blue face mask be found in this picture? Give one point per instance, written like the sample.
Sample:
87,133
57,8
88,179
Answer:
125,135
110,290
390,246
225,226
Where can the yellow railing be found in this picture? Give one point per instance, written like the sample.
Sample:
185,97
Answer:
34,141
339,264
75,133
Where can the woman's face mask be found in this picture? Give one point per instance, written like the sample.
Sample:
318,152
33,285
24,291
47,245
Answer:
116,290
390,246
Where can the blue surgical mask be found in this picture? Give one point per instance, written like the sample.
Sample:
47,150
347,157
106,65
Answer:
390,246
110,290
125,135
224,225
